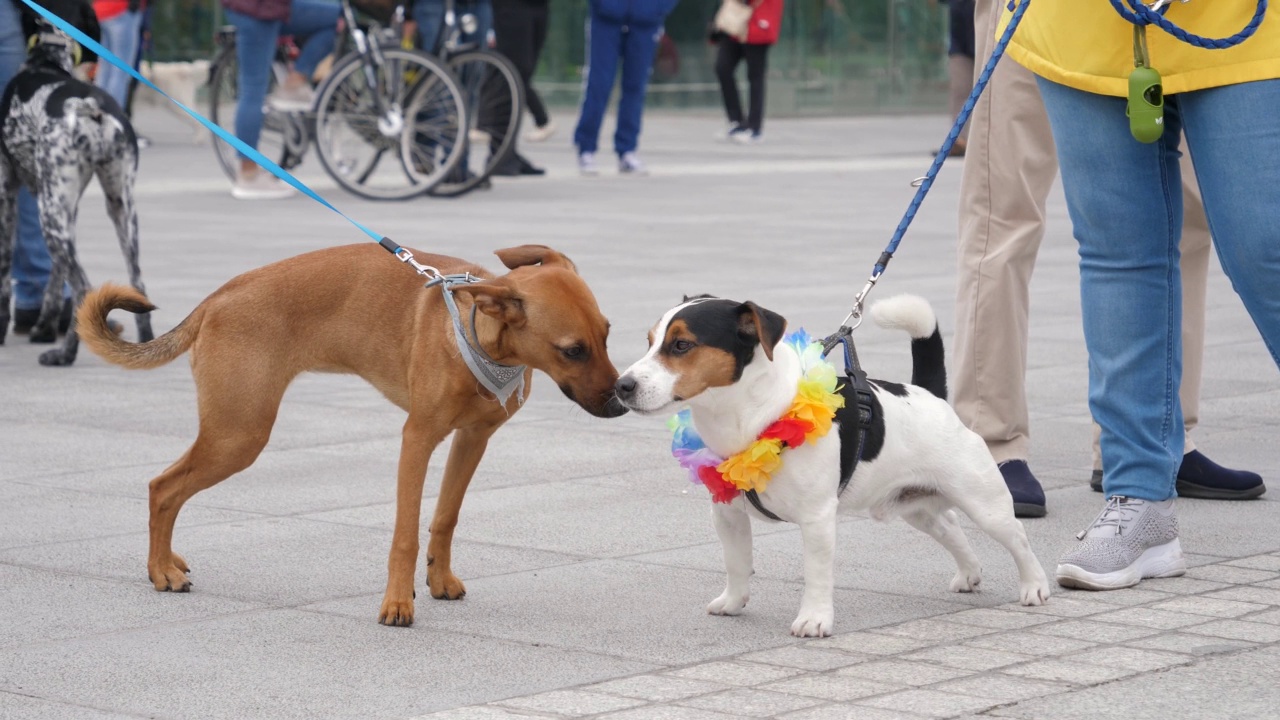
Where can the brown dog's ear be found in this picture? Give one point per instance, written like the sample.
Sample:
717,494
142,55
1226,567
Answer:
759,325
495,300
534,255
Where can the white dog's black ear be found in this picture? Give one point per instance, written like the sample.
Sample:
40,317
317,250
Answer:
757,324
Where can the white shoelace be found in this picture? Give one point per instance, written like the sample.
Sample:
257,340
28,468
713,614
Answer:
1114,514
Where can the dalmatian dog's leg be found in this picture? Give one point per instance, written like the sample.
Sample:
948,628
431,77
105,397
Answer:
117,184
8,235
61,183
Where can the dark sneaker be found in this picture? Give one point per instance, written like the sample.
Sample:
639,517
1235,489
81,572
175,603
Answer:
1131,539
1199,477
24,319
1028,496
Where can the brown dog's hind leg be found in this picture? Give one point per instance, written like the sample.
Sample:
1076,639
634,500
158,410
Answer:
237,409
469,445
421,434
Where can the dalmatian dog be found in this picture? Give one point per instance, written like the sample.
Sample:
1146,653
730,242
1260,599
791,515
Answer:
56,134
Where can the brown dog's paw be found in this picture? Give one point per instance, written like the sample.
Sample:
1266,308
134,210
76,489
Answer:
396,612
446,587
170,578
179,563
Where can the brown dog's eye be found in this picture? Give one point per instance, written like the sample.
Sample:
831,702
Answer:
575,352
680,347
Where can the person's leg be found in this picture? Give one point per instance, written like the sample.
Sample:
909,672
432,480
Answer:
604,44
122,35
757,64
314,25
255,50
960,84
1240,206
1125,202
728,53
31,262
639,47
538,21
1009,169
428,15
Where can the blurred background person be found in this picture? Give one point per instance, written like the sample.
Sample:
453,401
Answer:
761,34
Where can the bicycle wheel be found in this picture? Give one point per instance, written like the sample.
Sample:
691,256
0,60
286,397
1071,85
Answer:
224,96
495,98
360,129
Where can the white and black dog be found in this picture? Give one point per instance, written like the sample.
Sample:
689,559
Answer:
724,360
56,134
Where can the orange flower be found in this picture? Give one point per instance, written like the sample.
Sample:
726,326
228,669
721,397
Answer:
751,468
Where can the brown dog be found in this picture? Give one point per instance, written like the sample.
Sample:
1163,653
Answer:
355,309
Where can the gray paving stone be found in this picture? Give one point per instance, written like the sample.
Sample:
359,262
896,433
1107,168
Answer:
1270,616
830,687
1130,596
901,672
967,658
739,674
1129,658
936,630
842,711
480,712
1231,574
666,712
1150,618
1182,585
1027,643
997,619
1001,688
1067,671
1239,630
929,703
1257,562
1212,607
871,643
1093,631
1191,644
656,688
15,706
750,703
572,703
803,658
1259,595
1069,606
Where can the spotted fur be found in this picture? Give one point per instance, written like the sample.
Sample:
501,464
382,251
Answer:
56,134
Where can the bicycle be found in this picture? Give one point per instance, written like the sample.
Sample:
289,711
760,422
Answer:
494,96
360,115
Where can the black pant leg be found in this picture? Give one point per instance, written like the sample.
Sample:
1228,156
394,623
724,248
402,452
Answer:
727,56
757,63
538,21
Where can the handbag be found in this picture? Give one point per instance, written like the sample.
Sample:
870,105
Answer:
732,18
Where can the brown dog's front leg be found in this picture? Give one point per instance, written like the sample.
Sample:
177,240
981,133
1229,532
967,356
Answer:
468,447
419,438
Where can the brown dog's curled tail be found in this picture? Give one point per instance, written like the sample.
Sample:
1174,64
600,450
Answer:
91,323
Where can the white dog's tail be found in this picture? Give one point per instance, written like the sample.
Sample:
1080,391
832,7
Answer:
913,314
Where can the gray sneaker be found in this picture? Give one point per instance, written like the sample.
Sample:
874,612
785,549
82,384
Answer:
1130,540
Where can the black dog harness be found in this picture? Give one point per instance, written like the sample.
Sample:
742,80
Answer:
856,381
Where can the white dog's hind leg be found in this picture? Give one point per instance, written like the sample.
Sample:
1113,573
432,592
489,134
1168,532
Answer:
817,614
996,519
734,528
945,528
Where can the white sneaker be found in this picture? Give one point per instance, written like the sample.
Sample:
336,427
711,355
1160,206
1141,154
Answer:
587,164
730,132
260,186
297,99
1130,540
746,137
541,133
629,164
477,136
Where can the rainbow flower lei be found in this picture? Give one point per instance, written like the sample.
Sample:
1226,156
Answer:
809,418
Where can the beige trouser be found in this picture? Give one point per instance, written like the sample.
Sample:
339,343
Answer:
1009,168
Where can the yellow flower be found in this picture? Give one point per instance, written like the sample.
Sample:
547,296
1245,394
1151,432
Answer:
751,468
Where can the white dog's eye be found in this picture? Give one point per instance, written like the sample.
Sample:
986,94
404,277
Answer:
680,347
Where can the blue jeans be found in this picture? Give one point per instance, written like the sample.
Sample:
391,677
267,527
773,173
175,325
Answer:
313,24
121,35
1125,203
31,263
607,41
429,15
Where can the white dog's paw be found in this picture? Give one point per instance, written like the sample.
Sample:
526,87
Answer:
813,624
1035,593
727,604
966,580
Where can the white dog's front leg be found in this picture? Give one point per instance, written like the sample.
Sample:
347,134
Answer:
816,612
734,528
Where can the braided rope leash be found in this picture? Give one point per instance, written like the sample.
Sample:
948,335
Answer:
1142,15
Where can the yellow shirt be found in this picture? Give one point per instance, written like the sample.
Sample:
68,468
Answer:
1085,44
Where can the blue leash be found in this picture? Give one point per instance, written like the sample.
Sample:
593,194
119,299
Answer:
230,139
1141,15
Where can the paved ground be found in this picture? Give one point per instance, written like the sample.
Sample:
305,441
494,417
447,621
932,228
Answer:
588,557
